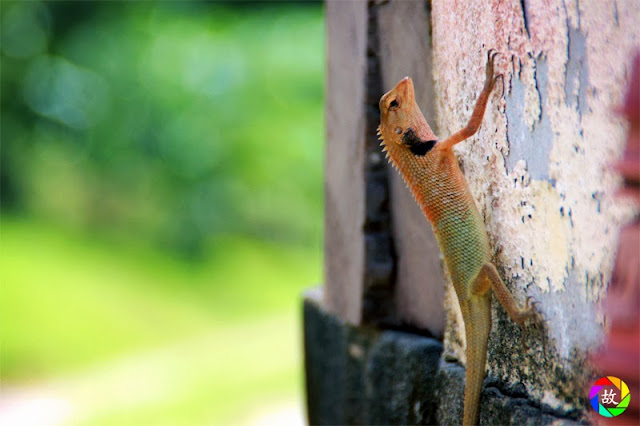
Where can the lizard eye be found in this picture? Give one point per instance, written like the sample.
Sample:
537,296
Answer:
394,104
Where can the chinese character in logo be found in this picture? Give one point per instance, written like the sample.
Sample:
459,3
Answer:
607,398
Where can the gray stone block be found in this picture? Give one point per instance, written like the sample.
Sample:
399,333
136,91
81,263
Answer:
400,375
325,346
364,375
500,409
359,375
450,393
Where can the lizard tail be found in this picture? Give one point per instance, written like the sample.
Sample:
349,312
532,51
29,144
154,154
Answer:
477,330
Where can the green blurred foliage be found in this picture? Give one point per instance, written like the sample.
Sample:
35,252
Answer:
161,183
167,122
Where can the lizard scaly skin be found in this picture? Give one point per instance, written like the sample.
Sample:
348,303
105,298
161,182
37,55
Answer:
431,171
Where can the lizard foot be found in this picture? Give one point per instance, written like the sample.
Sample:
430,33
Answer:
530,312
489,79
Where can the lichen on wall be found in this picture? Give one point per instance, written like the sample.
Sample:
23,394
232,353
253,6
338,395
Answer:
539,167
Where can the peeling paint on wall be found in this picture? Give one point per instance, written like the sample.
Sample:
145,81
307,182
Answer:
529,141
538,168
577,77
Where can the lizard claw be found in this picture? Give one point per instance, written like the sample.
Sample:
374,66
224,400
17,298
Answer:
531,311
527,302
491,55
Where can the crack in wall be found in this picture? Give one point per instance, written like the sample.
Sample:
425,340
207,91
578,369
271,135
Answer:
380,258
523,4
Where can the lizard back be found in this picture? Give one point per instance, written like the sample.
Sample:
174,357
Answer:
440,189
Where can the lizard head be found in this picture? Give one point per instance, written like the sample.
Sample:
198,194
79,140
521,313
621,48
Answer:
402,122
396,108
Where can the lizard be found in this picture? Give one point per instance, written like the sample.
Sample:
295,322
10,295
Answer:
430,169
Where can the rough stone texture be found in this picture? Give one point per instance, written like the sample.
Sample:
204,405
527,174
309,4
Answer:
538,169
405,49
450,393
359,375
496,407
363,376
333,378
400,374
345,164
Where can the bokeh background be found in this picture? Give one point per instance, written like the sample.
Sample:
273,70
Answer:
161,178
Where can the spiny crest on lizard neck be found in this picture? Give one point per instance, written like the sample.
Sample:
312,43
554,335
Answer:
402,125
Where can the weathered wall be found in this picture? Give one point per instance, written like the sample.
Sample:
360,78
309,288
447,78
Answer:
359,270
419,287
344,180
538,167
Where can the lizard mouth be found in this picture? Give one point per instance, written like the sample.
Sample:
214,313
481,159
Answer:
404,87
404,90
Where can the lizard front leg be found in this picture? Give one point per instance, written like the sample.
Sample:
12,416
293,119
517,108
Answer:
478,111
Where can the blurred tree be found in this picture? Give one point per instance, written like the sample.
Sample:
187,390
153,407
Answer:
171,122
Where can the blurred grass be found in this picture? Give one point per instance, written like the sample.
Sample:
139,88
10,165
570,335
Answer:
68,300
73,303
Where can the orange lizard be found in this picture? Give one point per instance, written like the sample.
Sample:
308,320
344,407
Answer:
431,171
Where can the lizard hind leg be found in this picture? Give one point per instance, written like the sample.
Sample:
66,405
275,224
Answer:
487,278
